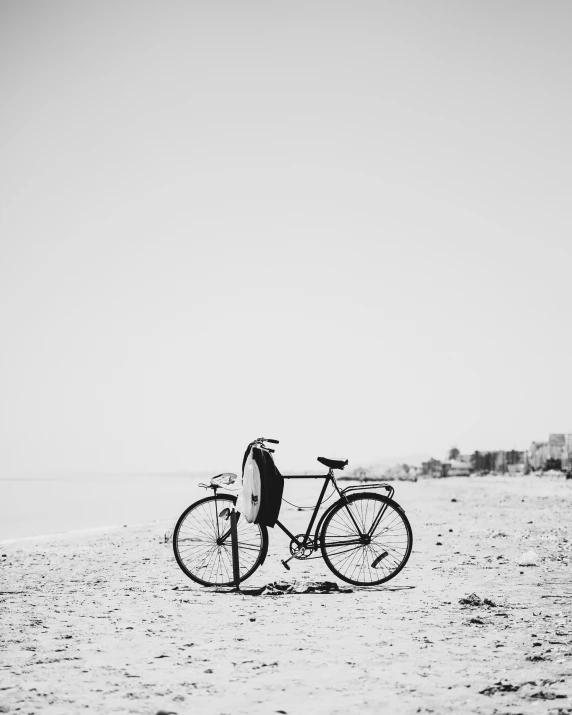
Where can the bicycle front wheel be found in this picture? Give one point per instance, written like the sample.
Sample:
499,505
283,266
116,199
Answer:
367,541
202,542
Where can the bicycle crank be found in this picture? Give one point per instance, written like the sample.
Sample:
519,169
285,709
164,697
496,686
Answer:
299,550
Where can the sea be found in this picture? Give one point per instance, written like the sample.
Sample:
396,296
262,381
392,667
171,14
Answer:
47,504
32,506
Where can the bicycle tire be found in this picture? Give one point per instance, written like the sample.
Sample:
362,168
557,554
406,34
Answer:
195,543
389,548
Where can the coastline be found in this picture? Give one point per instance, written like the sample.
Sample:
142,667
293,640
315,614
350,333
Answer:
60,505
79,533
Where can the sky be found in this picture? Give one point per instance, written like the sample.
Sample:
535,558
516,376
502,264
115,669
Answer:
344,225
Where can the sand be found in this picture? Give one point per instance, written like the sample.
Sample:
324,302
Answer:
106,621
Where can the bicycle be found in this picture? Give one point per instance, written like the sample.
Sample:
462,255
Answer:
364,537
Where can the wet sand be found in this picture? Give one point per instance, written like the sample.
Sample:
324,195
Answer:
106,622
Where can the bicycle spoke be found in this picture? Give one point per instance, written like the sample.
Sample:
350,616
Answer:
202,555
352,552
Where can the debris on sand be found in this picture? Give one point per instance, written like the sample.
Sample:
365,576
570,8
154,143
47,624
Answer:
476,601
280,588
500,687
529,558
543,695
472,600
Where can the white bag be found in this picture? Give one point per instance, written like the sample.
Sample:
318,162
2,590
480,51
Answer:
249,499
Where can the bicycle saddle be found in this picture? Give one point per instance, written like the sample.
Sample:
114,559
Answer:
333,463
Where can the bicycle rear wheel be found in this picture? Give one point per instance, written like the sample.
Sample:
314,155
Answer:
202,543
377,550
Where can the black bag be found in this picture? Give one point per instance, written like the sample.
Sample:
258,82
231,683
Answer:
271,487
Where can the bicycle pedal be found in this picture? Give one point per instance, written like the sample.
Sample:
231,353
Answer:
379,558
285,564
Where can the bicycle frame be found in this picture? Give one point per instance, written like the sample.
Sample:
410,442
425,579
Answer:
328,478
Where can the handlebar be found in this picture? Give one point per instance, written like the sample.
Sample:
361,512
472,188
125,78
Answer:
267,439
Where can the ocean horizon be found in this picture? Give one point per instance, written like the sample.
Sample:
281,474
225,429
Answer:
48,504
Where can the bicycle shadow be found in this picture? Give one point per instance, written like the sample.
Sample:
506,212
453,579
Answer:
285,588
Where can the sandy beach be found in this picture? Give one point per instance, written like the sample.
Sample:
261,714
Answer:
106,621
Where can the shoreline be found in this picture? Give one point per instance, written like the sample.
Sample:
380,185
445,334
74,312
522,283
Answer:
77,533
58,507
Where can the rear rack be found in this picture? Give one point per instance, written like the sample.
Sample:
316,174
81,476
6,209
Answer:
371,485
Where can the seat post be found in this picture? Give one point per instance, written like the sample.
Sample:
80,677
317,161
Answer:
333,478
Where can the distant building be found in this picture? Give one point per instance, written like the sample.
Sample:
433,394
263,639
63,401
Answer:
458,468
554,454
556,445
567,461
500,461
432,468
515,461
538,455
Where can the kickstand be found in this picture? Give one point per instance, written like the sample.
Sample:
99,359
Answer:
234,548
